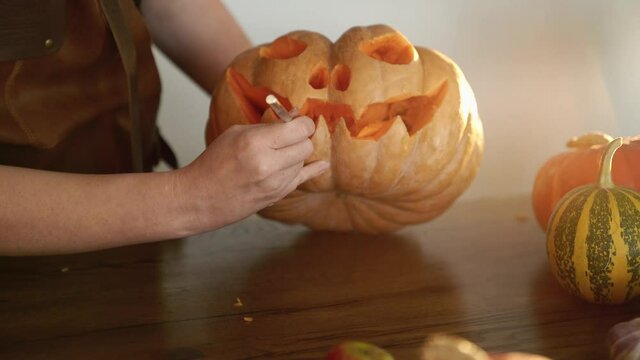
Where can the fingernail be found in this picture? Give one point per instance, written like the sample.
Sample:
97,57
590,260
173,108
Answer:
311,127
325,165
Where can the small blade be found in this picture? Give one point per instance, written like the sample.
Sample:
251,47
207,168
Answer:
278,109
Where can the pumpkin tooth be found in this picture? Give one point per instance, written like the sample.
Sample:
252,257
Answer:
321,140
320,122
395,143
369,131
353,160
341,128
398,128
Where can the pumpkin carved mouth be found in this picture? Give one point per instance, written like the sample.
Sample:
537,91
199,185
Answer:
375,120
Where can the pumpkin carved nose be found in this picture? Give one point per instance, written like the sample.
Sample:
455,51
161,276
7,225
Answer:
340,77
319,77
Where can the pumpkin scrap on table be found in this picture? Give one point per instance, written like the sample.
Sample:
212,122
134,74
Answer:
579,166
399,125
593,238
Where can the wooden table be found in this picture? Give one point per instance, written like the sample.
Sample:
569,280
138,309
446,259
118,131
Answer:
479,271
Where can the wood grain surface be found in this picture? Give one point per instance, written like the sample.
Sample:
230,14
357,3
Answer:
479,271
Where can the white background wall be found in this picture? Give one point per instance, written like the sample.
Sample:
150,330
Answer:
542,70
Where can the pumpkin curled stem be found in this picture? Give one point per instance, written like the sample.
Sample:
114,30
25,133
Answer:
605,180
588,140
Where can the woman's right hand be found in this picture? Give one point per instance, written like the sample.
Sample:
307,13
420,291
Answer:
245,169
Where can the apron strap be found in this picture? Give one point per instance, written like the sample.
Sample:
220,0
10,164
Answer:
121,31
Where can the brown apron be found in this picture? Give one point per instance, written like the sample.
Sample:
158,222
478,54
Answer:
67,102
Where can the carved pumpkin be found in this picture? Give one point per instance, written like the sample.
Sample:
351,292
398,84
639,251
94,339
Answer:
593,239
398,124
579,166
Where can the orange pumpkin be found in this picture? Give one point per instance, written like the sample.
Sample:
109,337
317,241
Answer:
579,166
398,123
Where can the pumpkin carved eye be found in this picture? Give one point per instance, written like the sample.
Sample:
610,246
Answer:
391,48
284,47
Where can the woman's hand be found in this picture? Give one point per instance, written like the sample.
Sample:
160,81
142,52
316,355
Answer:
247,168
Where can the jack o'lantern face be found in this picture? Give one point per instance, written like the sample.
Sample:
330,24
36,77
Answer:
328,85
391,118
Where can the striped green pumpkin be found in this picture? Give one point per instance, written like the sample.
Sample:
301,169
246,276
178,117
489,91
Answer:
593,243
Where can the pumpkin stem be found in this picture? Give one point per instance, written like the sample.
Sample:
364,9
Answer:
605,180
588,140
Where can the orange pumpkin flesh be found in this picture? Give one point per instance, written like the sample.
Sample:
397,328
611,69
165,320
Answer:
580,166
398,124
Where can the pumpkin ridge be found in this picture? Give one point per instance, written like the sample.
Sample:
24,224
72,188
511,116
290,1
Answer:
459,160
373,216
351,197
553,226
380,75
568,198
408,161
405,213
599,252
564,240
630,225
375,166
580,248
447,196
352,214
413,208
390,147
294,206
619,261
423,208
359,197
631,194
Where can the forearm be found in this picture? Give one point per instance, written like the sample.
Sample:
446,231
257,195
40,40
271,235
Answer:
46,212
200,36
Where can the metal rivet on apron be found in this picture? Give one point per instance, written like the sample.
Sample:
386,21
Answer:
48,43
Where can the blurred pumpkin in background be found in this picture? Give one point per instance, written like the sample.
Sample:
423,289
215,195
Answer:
579,166
399,125
624,340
